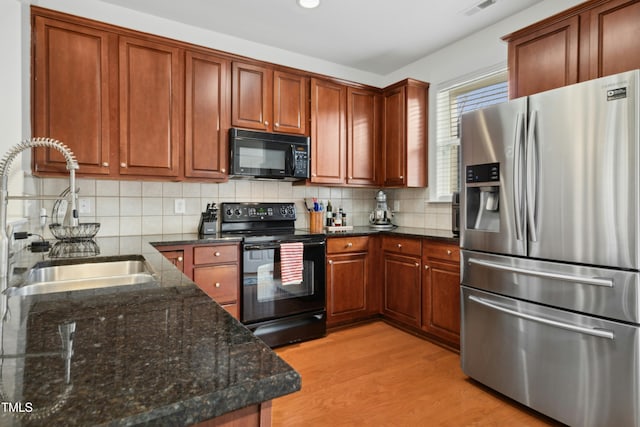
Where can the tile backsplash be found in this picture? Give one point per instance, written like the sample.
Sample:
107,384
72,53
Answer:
129,208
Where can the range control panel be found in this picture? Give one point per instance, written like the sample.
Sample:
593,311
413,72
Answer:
244,212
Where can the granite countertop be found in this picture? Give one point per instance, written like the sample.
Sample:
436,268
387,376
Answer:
155,354
430,233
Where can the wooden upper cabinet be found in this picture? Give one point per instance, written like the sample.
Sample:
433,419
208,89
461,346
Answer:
394,137
268,100
593,39
207,105
404,162
328,132
364,115
290,103
544,59
251,96
614,36
71,100
150,107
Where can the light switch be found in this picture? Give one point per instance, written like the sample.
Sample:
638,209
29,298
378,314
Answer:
84,206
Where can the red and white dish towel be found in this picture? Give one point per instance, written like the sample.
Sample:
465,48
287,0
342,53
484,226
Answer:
291,263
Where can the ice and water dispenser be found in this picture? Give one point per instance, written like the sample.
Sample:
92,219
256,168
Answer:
483,197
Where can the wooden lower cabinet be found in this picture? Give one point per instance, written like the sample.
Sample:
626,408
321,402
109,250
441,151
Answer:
441,291
351,291
401,280
214,268
251,416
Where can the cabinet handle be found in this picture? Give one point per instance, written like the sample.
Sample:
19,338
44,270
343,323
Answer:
349,244
223,170
123,165
449,252
105,164
277,124
216,254
330,262
180,259
417,264
401,176
266,123
399,245
426,267
217,284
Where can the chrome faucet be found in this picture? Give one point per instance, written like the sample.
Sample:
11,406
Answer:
5,163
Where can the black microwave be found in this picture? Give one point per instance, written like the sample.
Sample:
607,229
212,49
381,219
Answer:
268,155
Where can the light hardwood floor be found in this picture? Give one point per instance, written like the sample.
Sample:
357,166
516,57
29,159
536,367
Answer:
378,375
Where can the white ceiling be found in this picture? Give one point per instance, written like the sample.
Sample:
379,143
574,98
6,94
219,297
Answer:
376,36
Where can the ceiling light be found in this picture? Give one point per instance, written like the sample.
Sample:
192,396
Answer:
309,4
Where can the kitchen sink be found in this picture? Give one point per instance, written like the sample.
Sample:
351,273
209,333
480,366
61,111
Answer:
77,275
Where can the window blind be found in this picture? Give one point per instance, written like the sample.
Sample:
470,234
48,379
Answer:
452,102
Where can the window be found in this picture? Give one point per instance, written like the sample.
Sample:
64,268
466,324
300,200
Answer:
452,101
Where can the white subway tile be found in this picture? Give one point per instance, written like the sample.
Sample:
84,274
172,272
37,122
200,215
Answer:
172,189
172,224
152,206
130,225
209,191
130,206
107,206
130,189
152,224
152,189
106,188
190,189
109,226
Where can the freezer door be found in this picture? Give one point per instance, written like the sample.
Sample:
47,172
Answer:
583,173
494,136
600,292
580,370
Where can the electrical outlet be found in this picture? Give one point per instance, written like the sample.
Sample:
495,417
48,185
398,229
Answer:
84,206
396,205
179,206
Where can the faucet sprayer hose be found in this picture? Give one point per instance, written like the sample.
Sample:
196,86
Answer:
8,158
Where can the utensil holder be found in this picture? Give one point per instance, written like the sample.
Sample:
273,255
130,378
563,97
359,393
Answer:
316,222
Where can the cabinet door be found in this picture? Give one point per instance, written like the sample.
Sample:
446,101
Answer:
251,96
328,132
150,108
206,116
441,301
614,35
290,103
71,102
394,163
347,281
363,140
401,275
544,59
176,257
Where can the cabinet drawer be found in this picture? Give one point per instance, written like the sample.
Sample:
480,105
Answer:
401,245
347,244
219,282
441,251
215,254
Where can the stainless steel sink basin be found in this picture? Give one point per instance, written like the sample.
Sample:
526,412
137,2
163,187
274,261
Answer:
64,276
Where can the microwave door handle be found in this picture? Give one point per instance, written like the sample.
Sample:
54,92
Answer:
293,160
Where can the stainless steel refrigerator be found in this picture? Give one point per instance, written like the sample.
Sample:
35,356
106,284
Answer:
550,232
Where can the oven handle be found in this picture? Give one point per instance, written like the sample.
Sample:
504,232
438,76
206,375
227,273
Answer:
277,246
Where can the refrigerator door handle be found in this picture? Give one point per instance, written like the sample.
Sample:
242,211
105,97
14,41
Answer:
595,281
517,175
532,177
600,333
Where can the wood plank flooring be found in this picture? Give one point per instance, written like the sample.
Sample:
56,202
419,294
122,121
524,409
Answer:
378,375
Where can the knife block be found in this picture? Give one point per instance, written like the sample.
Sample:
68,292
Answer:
207,226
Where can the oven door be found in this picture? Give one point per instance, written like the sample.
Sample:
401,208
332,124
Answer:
264,296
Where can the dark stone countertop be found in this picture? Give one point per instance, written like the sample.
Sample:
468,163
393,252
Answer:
429,233
150,354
